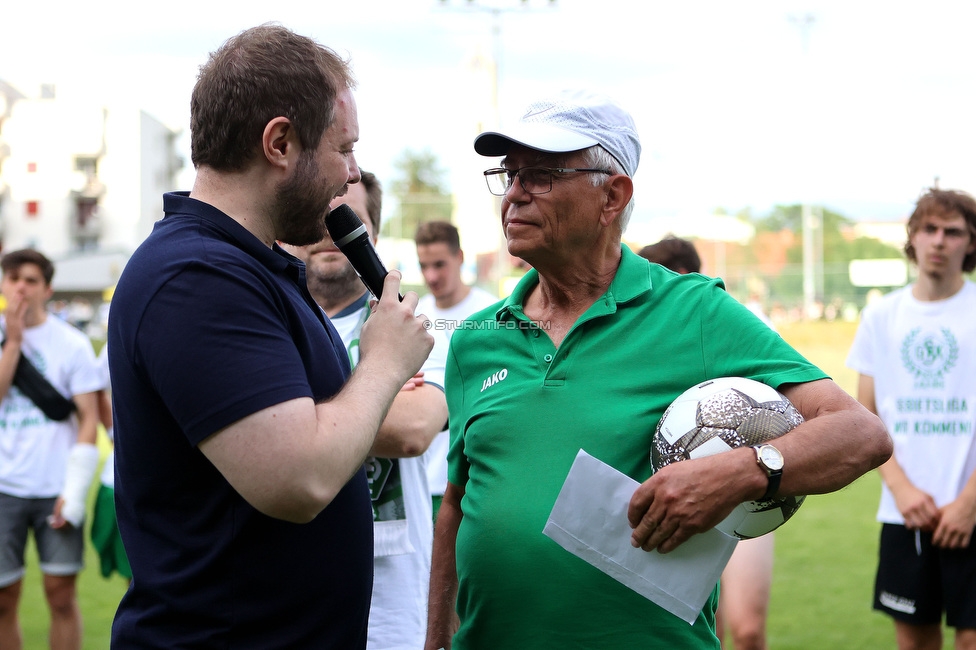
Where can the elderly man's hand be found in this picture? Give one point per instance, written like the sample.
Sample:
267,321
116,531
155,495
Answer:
688,497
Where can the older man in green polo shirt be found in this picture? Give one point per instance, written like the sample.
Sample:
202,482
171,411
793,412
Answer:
588,351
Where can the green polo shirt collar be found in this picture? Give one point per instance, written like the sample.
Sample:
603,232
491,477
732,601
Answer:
633,278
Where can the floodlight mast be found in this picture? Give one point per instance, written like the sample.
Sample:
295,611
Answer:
811,217
497,10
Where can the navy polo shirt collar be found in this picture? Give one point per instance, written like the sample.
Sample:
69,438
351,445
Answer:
274,258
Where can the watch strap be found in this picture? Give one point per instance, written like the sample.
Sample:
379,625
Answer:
773,487
774,476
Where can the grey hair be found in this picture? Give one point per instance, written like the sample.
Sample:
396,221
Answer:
599,158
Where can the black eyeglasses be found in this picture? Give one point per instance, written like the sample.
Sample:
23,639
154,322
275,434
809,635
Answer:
534,180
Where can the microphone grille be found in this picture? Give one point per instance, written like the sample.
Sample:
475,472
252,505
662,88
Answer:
341,221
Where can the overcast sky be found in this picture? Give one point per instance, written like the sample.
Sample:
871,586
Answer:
856,106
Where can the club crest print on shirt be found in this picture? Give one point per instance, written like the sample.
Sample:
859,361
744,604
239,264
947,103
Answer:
929,356
386,489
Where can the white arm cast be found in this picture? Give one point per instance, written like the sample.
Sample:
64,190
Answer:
82,463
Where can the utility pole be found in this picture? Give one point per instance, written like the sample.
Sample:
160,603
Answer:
497,10
812,220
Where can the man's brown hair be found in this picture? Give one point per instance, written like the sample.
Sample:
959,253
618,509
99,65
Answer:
944,202
674,253
433,232
262,73
374,198
16,259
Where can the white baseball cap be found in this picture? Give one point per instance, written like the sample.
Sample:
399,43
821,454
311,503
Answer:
570,121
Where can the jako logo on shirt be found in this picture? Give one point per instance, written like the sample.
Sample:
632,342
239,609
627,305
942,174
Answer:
494,379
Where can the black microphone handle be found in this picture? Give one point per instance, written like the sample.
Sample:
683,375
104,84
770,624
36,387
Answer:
351,237
364,260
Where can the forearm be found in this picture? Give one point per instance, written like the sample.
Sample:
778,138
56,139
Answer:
9,358
821,459
290,460
442,620
953,522
82,464
966,499
347,425
105,409
88,416
414,418
839,441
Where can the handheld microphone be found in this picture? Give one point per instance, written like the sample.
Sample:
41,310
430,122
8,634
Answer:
351,237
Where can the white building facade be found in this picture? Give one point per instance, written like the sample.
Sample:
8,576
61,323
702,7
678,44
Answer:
82,183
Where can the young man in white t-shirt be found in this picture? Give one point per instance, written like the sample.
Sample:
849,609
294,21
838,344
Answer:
46,465
915,352
449,302
396,468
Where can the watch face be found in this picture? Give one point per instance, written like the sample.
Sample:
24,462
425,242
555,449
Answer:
771,457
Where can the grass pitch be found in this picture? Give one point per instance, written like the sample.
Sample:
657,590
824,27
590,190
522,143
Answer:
826,555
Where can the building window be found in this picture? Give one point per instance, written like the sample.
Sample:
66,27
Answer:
87,225
88,165
32,208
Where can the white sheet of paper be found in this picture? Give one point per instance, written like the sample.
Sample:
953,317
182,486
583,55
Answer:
589,519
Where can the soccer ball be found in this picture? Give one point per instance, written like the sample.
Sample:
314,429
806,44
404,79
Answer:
719,415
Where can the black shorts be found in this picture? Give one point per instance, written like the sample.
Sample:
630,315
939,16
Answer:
916,581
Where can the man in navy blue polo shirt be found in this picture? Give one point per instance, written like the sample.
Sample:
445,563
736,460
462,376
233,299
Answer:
240,432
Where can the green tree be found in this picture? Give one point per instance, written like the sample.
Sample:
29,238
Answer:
420,191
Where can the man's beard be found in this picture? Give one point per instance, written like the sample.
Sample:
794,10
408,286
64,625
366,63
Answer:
301,204
335,288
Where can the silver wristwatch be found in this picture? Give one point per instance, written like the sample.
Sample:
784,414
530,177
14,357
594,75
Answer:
770,460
